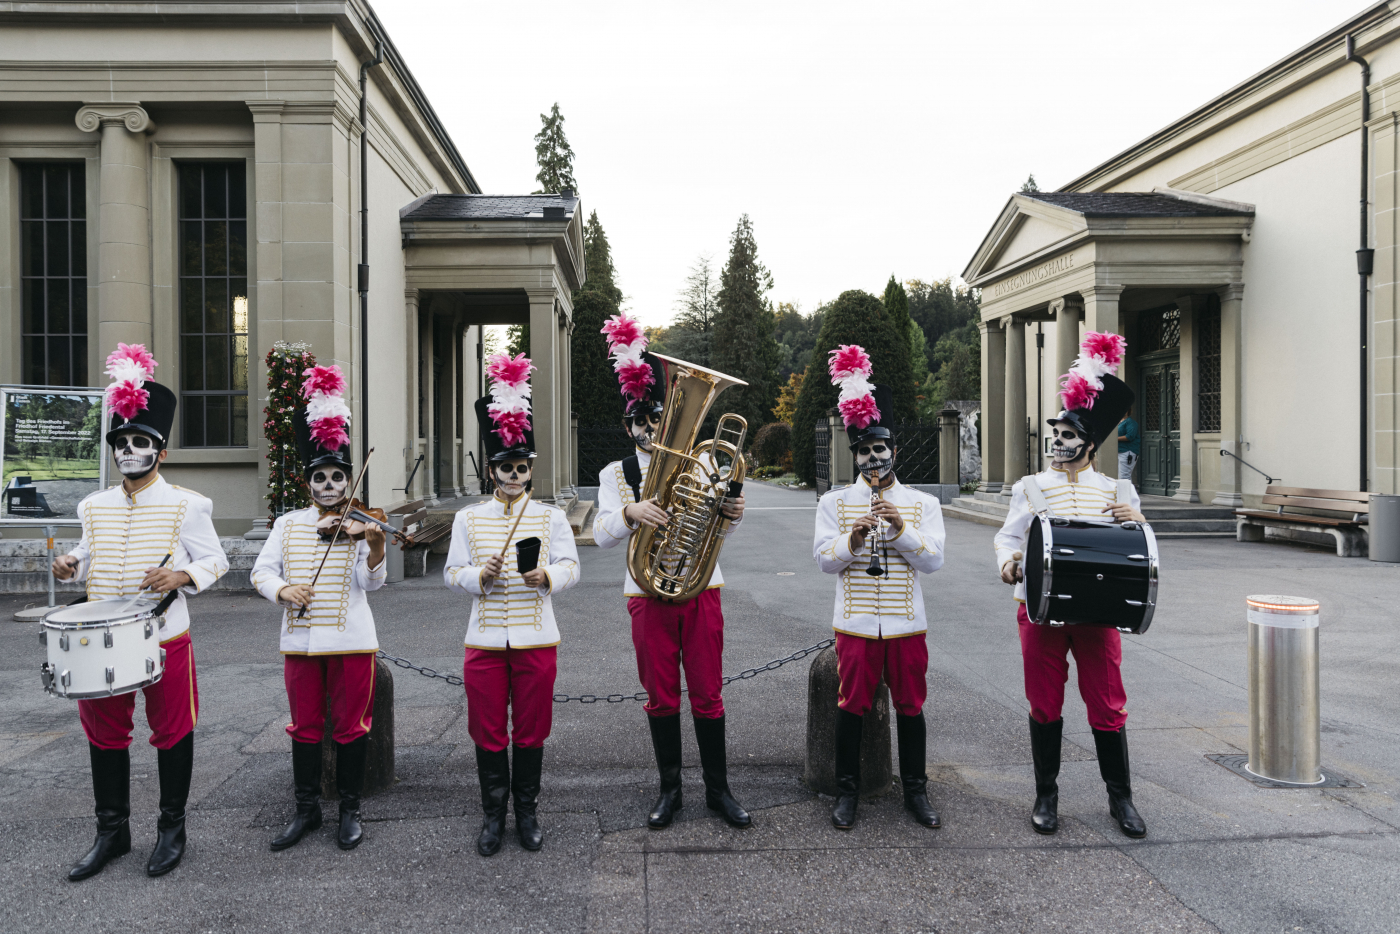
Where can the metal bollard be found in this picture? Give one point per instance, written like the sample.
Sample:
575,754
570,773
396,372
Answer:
1284,734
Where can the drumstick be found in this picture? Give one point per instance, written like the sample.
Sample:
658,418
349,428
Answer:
518,517
132,602
349,504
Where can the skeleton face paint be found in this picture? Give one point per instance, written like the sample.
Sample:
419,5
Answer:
1068,444
135,453
875,459
328,486
511,476
643,425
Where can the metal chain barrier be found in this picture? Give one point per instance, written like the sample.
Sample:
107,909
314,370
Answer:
640,696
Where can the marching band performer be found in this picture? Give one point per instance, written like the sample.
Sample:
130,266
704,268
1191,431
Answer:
328,651
1094,402
666,636
511,555
128,532
878,536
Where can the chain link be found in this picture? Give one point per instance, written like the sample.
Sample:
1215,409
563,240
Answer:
640,696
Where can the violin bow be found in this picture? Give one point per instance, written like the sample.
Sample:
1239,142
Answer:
349,504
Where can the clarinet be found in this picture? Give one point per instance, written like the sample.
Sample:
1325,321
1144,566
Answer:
878,541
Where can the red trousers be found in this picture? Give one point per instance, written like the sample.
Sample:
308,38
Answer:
1098,652
669,635
172,704
349,679
902,660
510,683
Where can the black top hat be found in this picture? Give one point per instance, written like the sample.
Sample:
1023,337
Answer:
655,399
155,419
880,427
312,453
1101,420
496,449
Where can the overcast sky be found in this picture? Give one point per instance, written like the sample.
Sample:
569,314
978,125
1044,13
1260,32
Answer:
863,139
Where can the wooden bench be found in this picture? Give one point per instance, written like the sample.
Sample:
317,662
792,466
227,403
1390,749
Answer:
425,536
1306,515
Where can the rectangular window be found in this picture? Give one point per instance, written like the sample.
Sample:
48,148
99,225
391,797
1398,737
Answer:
213,304
1208,366
53,274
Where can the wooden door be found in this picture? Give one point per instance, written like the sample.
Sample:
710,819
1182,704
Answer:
1158,417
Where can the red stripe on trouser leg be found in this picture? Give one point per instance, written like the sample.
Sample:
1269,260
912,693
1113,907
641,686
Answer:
348,679
668,636
172,704
510,684
903,661
1098,655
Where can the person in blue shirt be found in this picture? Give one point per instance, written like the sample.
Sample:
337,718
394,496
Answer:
1129,447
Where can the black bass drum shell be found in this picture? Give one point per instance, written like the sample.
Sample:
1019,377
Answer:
1082,573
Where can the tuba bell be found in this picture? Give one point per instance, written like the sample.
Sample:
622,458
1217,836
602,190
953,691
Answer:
690,481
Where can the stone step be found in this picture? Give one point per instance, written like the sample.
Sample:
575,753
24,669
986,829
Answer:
581,515
989,507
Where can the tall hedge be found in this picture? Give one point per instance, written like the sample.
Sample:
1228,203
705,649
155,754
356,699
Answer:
856,317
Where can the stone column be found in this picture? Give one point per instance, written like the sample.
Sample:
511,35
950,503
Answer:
1101,314
411,364
949,455
1231,421
566,358
123,225
841,470
993,406
1014,422
430,429
544,339
1067,312
1187,490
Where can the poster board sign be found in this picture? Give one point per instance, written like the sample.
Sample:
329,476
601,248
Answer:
52,454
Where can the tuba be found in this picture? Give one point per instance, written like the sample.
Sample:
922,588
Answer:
690,481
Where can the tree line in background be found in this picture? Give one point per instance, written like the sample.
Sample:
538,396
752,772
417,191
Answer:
922,336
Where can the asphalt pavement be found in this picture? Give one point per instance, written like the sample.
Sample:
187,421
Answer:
1222,854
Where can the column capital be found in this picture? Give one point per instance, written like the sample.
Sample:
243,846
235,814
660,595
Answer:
1232,292
130,114
266,111
410,296
1102,293
1070,304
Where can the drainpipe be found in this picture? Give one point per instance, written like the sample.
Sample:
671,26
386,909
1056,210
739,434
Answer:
363,272
1365,256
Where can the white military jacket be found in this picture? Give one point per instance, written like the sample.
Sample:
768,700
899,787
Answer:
511,613
891,605
610,528
339,621
1071,495
124,535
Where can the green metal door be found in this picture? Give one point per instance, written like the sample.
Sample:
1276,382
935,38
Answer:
1158,408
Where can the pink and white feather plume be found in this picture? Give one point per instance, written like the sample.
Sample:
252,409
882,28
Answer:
327,415
626,341
510,396
850,369
129,366
1100,354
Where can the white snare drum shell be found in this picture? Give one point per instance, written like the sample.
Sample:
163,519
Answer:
89,657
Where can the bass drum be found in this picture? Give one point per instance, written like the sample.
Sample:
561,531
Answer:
1083,573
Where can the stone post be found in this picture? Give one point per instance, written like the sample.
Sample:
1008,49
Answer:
1231,427
379,758
1186,489
1014,422
949,451
993,405
544,332
123,224
819,771
1067,312
1101,314
843,462
414,361
426,337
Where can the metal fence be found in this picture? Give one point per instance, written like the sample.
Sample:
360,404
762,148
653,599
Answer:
918,452
823,434
599,447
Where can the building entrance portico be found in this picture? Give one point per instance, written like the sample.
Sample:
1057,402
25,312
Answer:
1162,268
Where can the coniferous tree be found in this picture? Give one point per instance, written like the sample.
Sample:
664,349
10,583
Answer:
596,399
856,317
691,334
744,345
1029,187
897,308
553,154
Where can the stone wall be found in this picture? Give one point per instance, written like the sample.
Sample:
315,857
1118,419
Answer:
24,566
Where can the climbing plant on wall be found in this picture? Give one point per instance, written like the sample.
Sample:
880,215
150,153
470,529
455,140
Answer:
285,484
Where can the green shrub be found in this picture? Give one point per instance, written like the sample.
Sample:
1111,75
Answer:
773,441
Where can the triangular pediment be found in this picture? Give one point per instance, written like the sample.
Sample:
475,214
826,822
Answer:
1026,228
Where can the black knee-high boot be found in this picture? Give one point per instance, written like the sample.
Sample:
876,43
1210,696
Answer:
493,772
848,730
714,765
1045,752
1112,747
525,788
111,789
349,782
306,785
913,770
666,741
176,768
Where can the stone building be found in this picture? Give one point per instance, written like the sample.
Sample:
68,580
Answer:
192,176
1225,248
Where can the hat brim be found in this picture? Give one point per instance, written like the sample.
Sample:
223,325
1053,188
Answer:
114,433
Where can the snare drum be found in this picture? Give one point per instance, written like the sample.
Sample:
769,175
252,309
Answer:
1086,573
101,648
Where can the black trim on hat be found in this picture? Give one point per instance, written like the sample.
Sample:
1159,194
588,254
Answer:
495,450
313,455
1100,421
155,419
879,428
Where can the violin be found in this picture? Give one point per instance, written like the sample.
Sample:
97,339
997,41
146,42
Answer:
358,519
